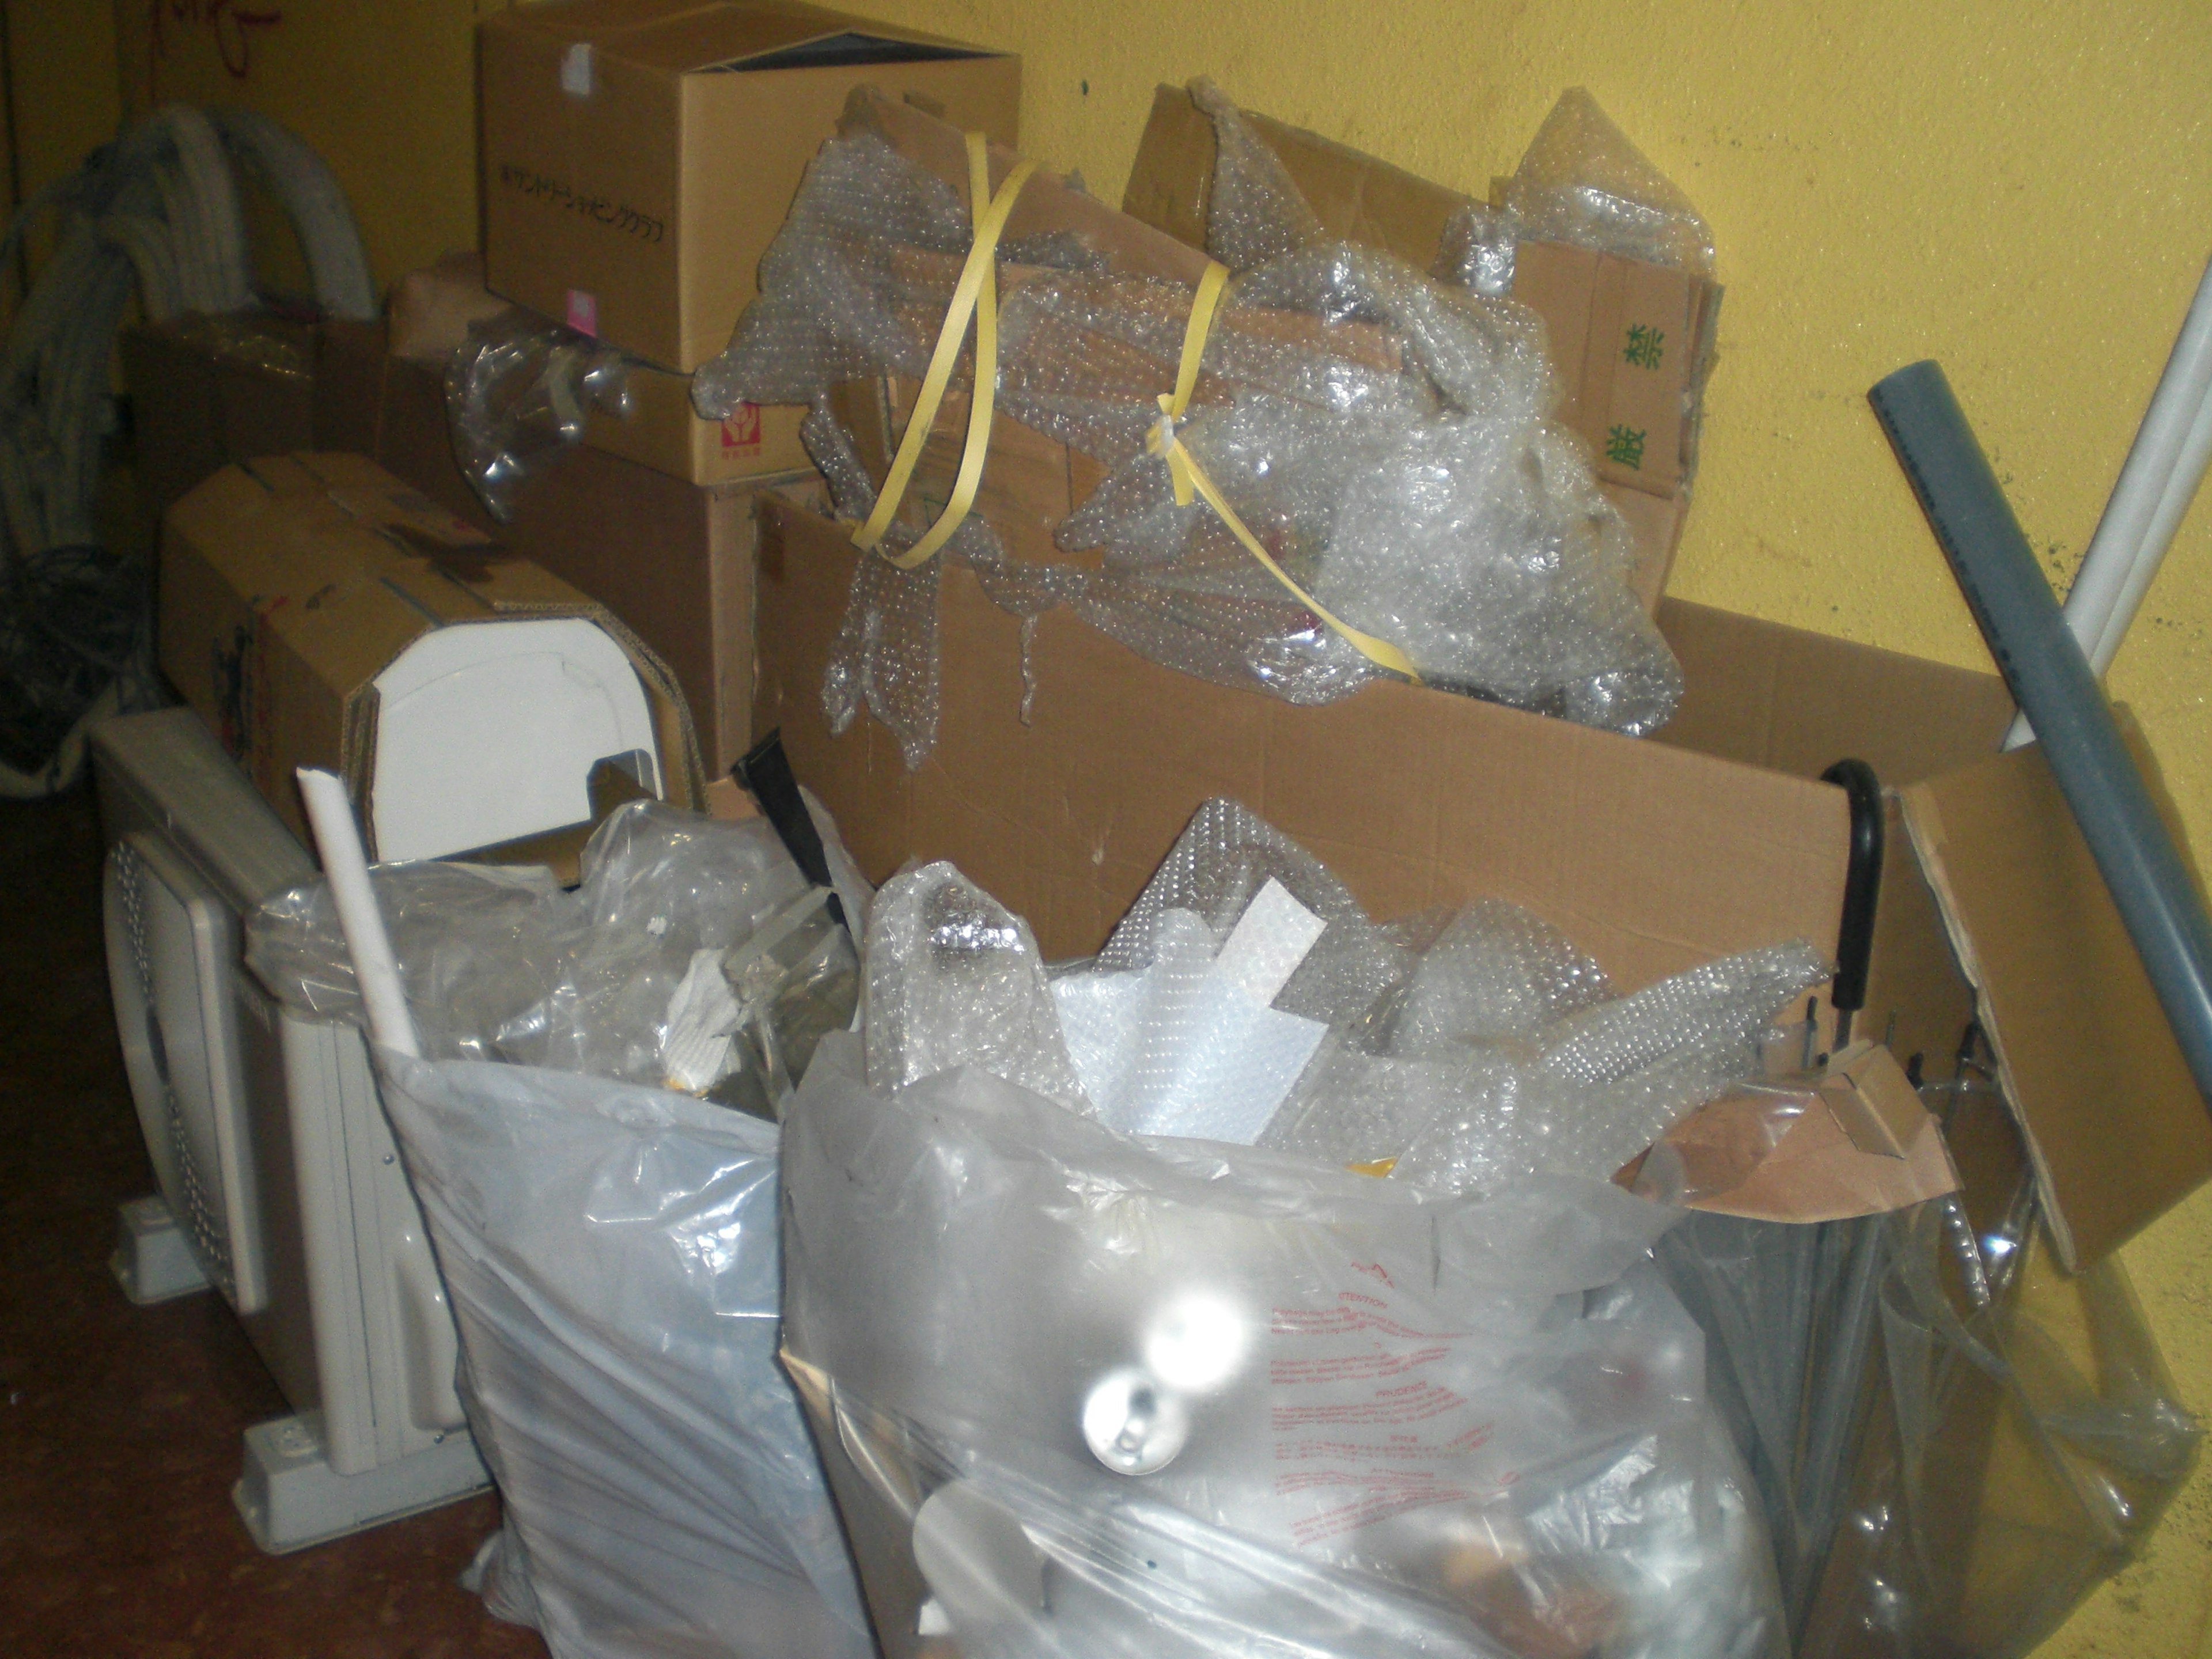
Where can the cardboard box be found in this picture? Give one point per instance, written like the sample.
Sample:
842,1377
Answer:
208,391
1653,855
430,312
673,561
289,584
1633,342
639,156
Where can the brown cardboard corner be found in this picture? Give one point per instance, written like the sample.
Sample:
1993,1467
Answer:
2113,1123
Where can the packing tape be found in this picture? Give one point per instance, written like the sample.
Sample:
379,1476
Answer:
977,291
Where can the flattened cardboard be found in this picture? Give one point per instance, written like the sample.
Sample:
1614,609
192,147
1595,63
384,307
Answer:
289,583
2090,1066
640,155
1862,1144
673,561
1651,854
1653,860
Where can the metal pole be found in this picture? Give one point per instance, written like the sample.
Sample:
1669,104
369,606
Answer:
2050,680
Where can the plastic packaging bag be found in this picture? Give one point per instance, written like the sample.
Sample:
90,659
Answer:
610,1248
1384,437
519,394
610,1256
1086,1395
498,964
1953,1441
1085,1391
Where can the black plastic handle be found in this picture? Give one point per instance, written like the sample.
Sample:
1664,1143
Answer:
1861,890
765,774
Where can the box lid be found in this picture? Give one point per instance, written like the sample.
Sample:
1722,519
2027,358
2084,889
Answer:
684,37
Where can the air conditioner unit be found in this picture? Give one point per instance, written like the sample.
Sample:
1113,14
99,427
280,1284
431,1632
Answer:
280,1183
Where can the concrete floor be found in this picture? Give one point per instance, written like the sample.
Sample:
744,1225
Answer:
119,1426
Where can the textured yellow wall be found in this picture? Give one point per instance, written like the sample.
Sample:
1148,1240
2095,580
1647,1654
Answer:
385,89
2019,188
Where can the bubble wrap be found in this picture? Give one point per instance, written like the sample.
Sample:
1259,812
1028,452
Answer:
1586,1095
519,394
1385,437
1584,182
953,979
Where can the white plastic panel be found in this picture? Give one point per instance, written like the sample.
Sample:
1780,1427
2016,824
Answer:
489,731
171,942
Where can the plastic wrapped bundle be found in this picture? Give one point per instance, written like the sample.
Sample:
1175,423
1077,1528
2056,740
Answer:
1953,1441
1083,1394
1382,439
519,394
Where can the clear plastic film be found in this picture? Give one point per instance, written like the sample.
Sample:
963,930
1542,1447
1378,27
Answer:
1953,1441
610,1256
519,394
1583,182
501,964
1083,1394
1384,438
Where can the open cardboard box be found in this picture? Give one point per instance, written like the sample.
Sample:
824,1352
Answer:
304,598
1652,854
640,155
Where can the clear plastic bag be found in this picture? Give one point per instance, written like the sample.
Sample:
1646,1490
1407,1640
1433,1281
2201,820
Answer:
610,1256
519,394
1385,437
609,1247
1089,1395
1953,1441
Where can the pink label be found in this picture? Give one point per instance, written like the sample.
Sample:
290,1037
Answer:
584,311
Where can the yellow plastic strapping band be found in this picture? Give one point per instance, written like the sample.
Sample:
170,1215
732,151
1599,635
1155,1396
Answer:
1190,477
977,292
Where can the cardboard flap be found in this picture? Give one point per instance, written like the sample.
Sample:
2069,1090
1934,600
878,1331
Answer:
682,37
1858,1143
2114,1125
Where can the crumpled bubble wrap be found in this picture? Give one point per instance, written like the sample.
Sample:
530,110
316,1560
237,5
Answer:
519,394
953,979
1385,437
1583,182
1475,1047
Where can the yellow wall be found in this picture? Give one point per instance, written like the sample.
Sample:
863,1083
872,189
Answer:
2021,188
385,89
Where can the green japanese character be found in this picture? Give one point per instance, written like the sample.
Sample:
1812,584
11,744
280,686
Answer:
1645,346
1624,444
